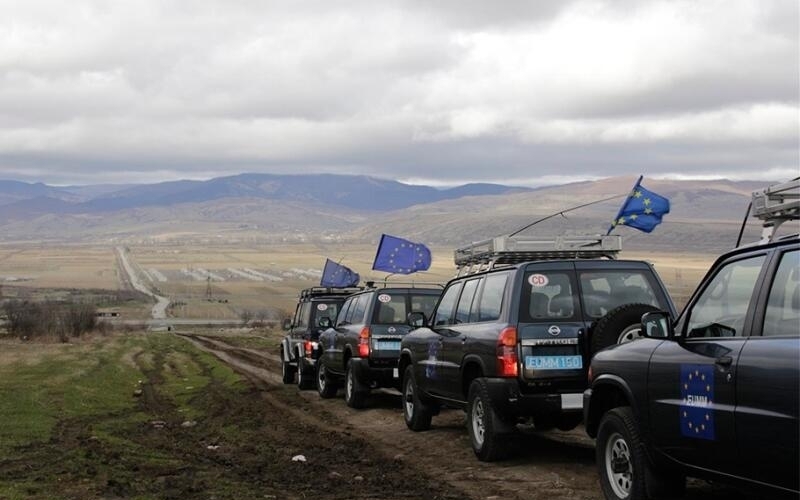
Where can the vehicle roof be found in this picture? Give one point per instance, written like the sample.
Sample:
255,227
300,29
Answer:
327,292
788,240
597,263
403,289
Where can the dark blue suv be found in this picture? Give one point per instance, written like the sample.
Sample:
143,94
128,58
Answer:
716,393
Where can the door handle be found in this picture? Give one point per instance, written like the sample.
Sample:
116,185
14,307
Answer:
724,361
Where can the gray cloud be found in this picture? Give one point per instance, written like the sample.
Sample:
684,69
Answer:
442,92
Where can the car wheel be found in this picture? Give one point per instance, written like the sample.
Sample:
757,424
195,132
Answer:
287,371
620,325
487,431
417,414
326,387
355,394
305,381
625,471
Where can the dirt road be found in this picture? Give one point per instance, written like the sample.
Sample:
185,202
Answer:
552,466
159,310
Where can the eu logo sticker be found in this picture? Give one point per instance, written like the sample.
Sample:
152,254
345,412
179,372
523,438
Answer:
697,395
433,351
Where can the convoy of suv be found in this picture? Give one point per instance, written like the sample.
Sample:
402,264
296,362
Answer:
543,332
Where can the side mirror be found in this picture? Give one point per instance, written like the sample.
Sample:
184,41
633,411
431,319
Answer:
325,322
287,324
657,325
416,319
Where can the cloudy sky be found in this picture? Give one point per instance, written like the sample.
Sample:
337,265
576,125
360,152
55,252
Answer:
441,92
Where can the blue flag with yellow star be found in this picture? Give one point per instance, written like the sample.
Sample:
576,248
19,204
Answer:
337,275
399,256
642,209
697,399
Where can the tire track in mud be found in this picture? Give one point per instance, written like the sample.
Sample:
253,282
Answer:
548,468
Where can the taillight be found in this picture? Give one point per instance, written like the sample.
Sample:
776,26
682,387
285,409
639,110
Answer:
309,347
507,359
363,342
590,375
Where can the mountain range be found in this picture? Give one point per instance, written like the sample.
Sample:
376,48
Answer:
705,215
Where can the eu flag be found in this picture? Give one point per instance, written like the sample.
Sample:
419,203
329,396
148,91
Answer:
396,255
642,209
337,275
697,399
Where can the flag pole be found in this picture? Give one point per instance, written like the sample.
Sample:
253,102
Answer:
619,213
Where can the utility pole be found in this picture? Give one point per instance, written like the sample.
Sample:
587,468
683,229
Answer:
208,289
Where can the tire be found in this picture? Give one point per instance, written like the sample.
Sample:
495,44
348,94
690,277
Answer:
621,324
355,393
287,371
305,381
326,386
625,471
416,414
487,431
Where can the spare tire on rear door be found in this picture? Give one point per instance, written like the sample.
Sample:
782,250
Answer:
621,324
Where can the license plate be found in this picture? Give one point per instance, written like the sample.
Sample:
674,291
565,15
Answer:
388,345
553,362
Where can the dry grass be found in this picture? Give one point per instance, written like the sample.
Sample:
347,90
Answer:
94,267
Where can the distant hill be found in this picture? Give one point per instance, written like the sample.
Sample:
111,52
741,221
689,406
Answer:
705,215
347,191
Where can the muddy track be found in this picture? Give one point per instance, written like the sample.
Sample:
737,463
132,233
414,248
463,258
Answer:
546,468
553,465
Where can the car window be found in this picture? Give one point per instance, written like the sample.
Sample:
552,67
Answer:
325,310
547,295
359,308
423,303
491,297
342,319
390,309
444,312
605,290
721,308
304,317
783,305
465,301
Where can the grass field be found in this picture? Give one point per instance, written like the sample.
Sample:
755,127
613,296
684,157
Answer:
177,271
73,426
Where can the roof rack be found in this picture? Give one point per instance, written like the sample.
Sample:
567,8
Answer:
405,284
775,205
508,250
320,290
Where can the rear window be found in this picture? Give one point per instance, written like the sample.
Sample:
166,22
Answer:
548,295
393,308
325,310
605,290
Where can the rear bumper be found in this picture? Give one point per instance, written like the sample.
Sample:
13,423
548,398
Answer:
380,373
510,400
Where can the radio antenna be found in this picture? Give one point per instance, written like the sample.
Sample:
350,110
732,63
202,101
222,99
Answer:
562,212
